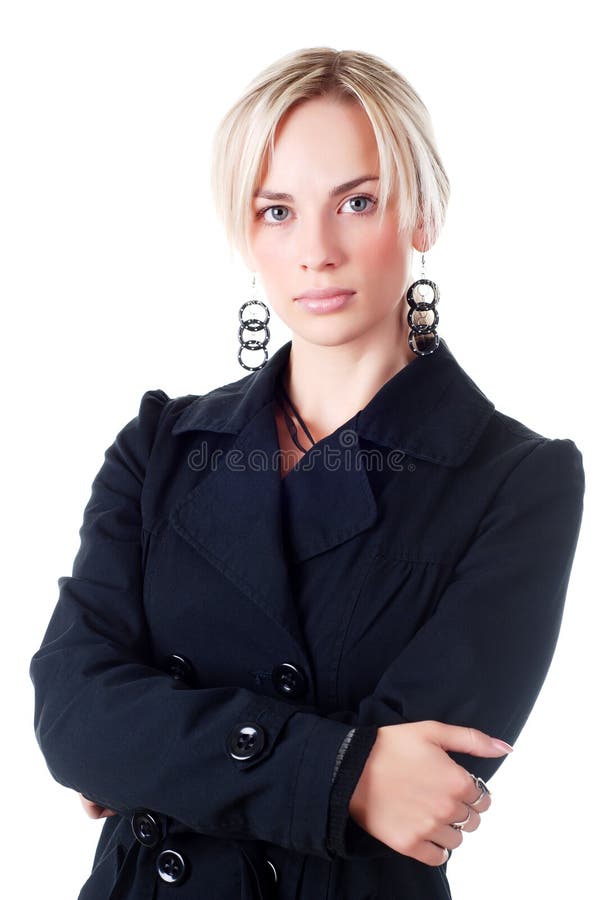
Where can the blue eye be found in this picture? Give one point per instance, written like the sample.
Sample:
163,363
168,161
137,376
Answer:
359,197
269,209
362,212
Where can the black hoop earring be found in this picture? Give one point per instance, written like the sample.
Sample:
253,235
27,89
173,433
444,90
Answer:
423,317
253,325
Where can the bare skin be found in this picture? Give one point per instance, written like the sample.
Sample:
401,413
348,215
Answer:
94,810
410,790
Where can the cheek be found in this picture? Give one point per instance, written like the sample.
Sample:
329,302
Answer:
272,261
385,249
384,261
270,250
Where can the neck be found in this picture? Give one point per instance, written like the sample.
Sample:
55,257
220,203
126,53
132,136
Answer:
330,384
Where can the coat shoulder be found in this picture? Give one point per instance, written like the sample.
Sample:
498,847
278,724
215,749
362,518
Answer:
510,432
511,451
516,450
180,407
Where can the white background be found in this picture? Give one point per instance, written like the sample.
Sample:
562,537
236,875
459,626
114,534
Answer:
115,278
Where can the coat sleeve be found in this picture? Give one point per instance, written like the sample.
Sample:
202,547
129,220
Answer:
126,734
481,659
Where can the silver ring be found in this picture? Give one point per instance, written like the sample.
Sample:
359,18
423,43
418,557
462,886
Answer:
481,786
460,825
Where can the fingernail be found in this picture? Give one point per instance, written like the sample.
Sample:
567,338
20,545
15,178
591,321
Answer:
501,745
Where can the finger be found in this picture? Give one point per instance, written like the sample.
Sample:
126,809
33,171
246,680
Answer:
470,793
463,739
433,854
101,812
94,811
427,852
88,806
460,815
480,804
448,837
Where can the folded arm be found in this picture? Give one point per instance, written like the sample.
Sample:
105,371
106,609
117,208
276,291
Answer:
124,733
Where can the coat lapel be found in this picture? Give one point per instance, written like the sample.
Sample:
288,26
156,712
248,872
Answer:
234,515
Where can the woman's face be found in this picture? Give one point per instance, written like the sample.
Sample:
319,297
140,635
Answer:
318,241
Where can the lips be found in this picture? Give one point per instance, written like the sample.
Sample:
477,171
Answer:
325,304
324,293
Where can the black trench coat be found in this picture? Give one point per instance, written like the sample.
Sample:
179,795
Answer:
209,653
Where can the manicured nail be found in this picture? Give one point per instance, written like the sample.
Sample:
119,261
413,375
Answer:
502,745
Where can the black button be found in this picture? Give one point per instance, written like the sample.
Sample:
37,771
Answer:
180,668
146,827
289,680
272,870
171,866
246,740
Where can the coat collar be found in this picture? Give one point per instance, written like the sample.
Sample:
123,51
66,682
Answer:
430,409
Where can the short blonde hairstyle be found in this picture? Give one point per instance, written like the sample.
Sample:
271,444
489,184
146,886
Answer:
410,167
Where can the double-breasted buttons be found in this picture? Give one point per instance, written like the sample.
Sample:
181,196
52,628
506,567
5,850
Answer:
289,680
272,870
180,668
171,866
146,827
246,740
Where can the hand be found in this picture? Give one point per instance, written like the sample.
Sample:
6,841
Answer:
410,790
94,810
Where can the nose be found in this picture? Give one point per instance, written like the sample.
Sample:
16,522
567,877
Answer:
317,241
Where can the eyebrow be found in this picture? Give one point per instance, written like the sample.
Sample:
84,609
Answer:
340,189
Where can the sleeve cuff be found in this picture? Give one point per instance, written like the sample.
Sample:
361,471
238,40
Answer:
356,748
342,751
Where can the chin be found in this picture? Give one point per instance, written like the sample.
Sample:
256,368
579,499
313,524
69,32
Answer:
325,333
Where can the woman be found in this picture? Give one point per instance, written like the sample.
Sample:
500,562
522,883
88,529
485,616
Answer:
307,603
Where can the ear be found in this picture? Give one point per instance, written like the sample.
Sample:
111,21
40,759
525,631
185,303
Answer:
420,241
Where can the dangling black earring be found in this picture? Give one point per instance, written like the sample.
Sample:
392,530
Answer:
423,317
253,325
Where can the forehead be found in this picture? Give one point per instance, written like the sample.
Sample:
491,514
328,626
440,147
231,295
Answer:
321,142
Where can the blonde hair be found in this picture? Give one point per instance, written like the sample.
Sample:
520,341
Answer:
410,167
